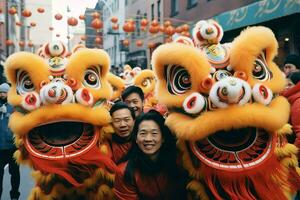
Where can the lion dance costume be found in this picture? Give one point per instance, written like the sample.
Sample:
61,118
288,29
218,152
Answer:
226,112
60,112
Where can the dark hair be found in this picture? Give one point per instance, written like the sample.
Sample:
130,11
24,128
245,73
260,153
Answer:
166,160
132,89
295,77
293,59
121,105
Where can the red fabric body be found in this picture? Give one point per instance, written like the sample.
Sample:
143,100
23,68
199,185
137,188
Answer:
293,95
76,169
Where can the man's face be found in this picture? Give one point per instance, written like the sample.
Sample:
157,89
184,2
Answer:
135,102
122,122
3,95
289,68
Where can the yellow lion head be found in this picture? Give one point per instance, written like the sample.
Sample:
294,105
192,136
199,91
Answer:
225,109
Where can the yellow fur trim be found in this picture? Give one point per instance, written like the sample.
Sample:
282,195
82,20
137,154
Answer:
187,163
117,84
22,124
141,79
42,178
248,46
34,65
87,58
198,188
186,56
287,129
104,192
286,151
104,149
233,117
291,161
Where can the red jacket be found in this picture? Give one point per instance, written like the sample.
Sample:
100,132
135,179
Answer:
116,150
293,95
147,187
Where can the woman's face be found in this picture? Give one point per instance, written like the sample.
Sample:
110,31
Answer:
149,138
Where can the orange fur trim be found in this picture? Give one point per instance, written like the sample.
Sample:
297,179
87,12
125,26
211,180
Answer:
197,187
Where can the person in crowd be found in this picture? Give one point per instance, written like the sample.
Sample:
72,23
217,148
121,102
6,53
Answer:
122,121
7,147
133,96
151,171
291,64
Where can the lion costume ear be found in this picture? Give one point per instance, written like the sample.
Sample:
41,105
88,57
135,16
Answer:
25,71
253,52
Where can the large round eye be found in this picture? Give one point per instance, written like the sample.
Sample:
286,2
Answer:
24,83
260,70
91,78
178,79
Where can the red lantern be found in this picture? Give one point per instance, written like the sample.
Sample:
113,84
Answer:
21,44
114,19
30,44
26,13
167,23
162,29
19,23
153,29
57,35
126,42
82,17
115,27
9,42
41,10
178,29
185,28
95,15
51,28
154,22
170,30
58,16
0,10
97,24
32,24
83,37
128,27
98,40
12,11
72,21
139,43
144,22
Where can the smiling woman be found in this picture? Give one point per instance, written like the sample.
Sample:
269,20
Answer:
150,171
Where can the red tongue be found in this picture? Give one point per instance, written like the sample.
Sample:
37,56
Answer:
76,169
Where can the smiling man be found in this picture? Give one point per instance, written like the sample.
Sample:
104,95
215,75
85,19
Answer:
133,96
122,121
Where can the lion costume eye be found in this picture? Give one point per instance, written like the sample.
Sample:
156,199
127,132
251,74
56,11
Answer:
260,70
24,83
178,79
91,78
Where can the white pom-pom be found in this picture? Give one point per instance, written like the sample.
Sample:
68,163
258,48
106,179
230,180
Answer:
262,94
84,97
31,101
194,103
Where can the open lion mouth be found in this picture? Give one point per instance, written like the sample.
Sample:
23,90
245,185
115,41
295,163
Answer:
234,150
60,139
